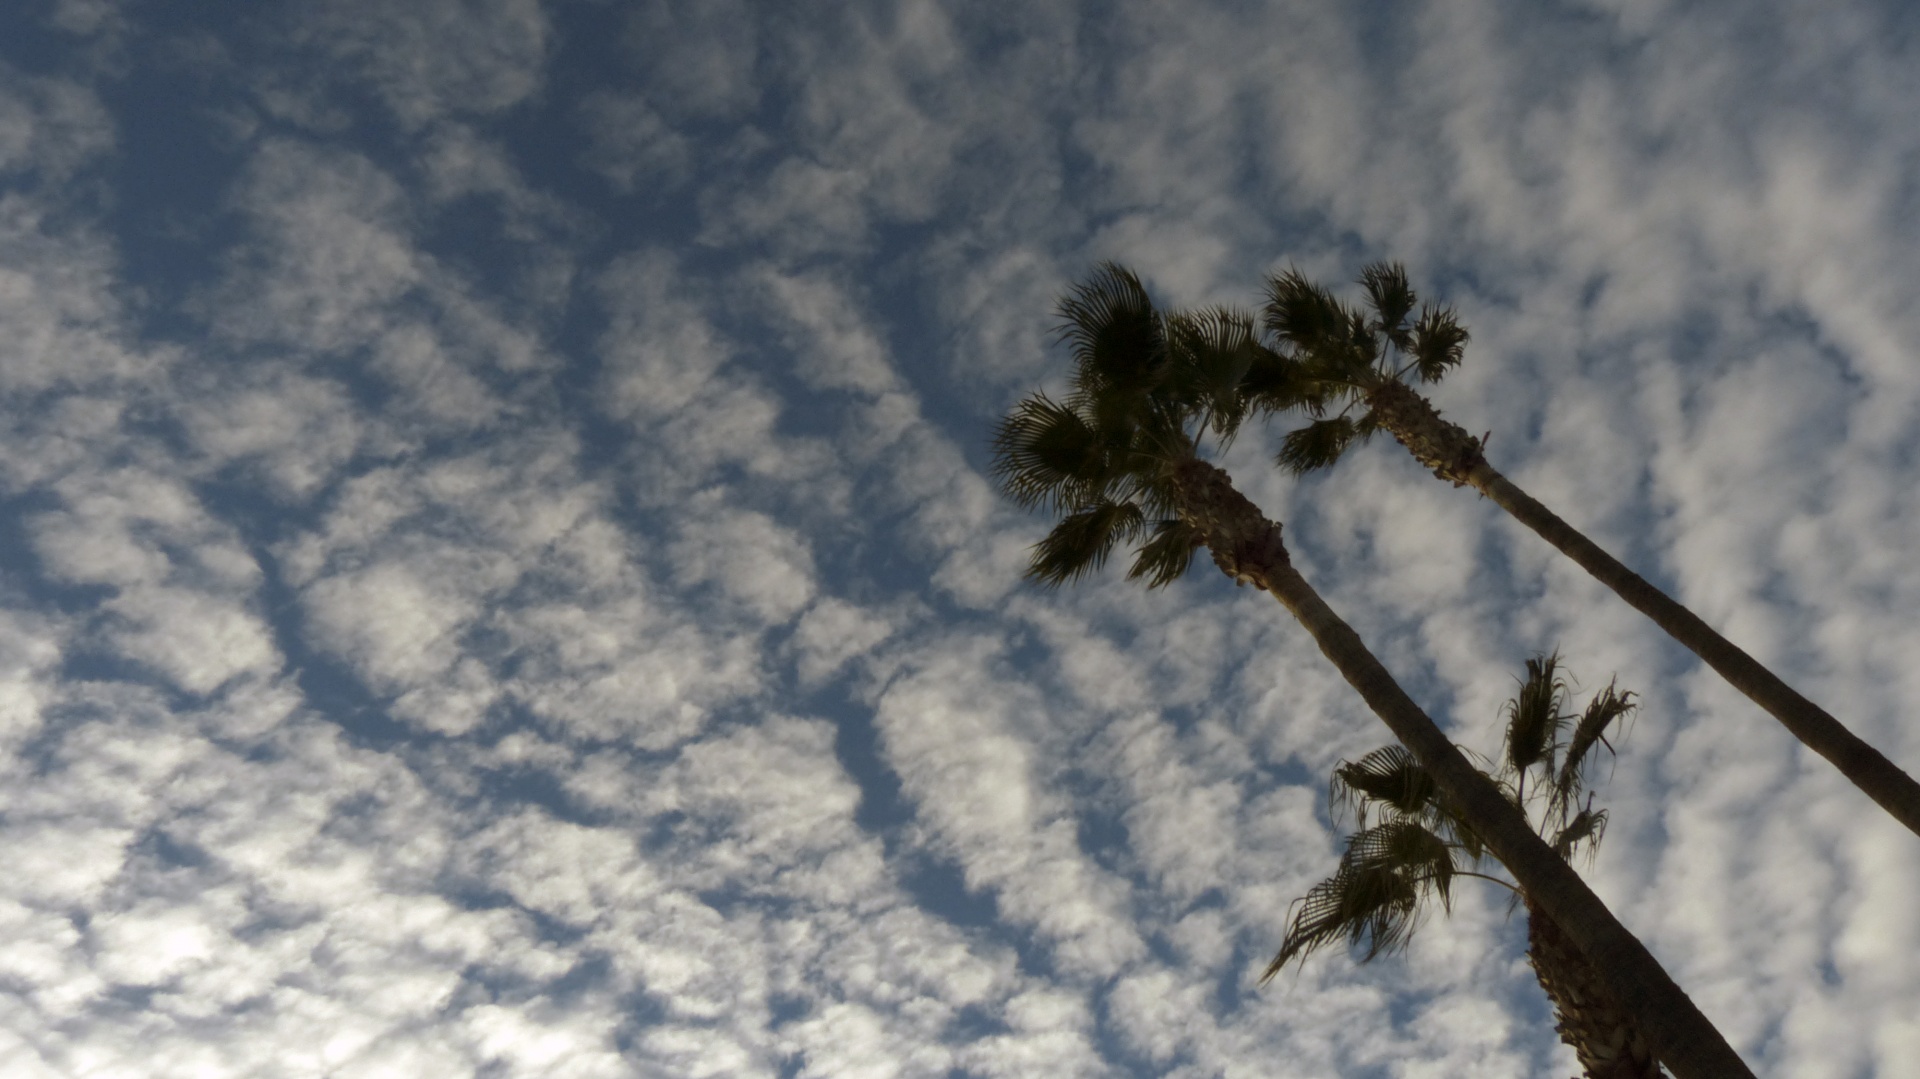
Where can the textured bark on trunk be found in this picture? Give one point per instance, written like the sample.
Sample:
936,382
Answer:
1247,547
1603,1035
1453,455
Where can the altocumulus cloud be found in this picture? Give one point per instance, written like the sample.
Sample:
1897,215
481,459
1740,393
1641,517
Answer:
501,579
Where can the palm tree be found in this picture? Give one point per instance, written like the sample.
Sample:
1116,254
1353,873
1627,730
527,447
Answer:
1412,844
1347,369
1117,460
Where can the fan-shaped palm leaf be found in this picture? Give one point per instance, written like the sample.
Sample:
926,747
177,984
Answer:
1317,445
1115,335
1392,299
1080,543
1214,348
1439,343
1047,454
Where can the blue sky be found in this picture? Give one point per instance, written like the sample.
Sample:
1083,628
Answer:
501,576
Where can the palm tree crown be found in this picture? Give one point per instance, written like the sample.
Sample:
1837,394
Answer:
1335,357
1147,387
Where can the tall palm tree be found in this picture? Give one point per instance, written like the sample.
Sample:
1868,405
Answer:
1412,844
1347,368
1117,461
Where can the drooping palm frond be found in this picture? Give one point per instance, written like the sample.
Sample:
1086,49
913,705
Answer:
1373,900
1535,719
1406,845
1607,707
1387,779
1392,299
1166,555
1439,343
1317,445
1587,827
1080,542
1378,909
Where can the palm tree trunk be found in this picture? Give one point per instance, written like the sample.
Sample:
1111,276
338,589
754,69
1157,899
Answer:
1247,547
1453,455
1603,1035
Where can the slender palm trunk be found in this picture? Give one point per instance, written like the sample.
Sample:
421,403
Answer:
1247,547
1453,455
1603,1035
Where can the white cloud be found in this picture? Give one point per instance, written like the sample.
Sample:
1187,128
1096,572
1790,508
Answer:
49,126
764,567
181,580
441,57
631,145
948,729
65,326
839,348
833,632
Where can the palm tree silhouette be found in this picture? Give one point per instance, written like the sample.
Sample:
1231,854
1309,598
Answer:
1412,844
1117,461
1347,369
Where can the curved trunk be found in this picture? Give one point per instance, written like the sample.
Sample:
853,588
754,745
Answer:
1603,1035
1247,547
1455,456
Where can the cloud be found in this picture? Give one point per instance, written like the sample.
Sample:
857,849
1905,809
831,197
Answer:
433,59
631,145
977,788
49,127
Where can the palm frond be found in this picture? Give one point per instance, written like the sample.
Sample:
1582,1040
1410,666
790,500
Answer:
1046,453
1391,299
1534,718
1317,445
1214,348
1607,706
1587,827
1117,339
1377,909
1081,541
1167,554
1439,342
1366,426
1373,900
1279,382
1388,778
1407,846
1305,316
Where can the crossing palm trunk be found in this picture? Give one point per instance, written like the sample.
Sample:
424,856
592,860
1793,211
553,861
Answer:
1603,1035
1247,547
1454,455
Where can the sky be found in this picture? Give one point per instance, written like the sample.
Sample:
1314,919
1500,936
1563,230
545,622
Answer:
500,572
